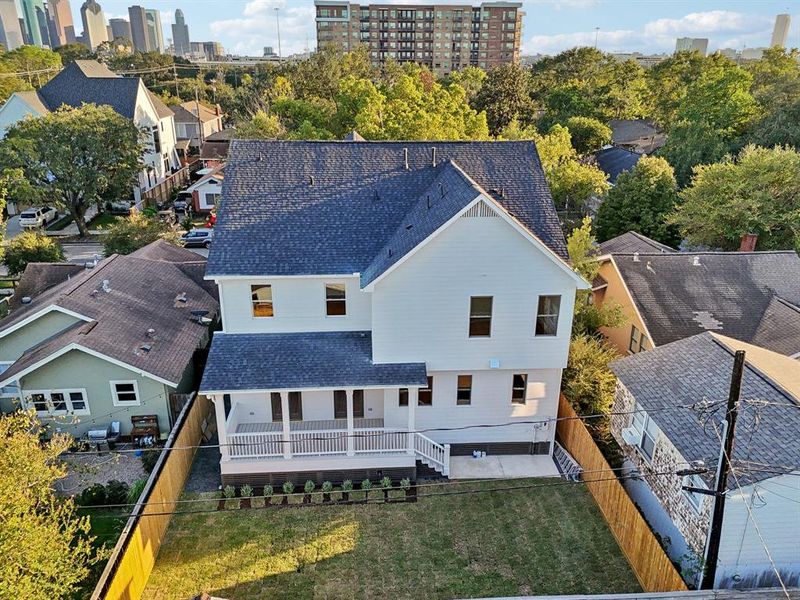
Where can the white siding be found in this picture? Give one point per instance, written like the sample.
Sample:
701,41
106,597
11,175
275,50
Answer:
490,404
420,312
299,305
147,117
775,505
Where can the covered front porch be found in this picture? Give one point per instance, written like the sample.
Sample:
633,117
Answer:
317,403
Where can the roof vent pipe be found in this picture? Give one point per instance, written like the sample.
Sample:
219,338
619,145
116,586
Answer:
635,257
433,156
696,261
311,180
405,158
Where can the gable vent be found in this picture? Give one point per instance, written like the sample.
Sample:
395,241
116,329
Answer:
481,209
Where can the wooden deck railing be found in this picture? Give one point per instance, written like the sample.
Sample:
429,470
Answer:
649,562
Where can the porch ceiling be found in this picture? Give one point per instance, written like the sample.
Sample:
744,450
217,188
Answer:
297,361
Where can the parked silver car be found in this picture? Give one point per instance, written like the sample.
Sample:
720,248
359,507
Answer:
38,216
198,237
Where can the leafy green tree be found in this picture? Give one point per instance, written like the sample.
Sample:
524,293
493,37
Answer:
72,52
588,134
587,382
781,127
642,200
589,317
77,157
261,127
776,78
137,231
668,84
27,59
757,192
30,247
505,96
10,83
469,78
45,545
691,144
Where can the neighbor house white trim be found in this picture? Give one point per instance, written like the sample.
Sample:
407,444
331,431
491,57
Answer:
115,393
40,313
95,353
49,395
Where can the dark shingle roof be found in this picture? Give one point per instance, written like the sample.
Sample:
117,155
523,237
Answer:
274,221
613,161
264,361
630,242
667,378
73,87
728,292
779,328
143,290
162,110
39,277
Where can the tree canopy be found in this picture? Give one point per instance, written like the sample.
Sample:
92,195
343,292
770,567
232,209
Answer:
76,157
756,192
30,247
642,200
137,231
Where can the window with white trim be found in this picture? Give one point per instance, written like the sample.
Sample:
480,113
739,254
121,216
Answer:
335,300
547,313
694,499
261,298
125,393
58,402
12,389
519,384
647,432
464,390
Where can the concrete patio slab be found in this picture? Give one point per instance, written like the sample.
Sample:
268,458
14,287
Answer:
502,467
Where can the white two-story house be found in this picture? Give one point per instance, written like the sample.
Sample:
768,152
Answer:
91,82
385,303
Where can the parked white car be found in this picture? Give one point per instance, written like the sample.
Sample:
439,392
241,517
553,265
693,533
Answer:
38,216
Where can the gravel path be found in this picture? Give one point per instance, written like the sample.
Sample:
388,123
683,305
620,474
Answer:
84,471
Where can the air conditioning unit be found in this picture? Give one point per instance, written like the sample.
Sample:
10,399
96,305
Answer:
631,436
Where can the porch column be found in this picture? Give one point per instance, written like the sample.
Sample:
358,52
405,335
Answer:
413,398
287,431
351,442
222,427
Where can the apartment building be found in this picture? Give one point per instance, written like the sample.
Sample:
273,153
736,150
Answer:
442,37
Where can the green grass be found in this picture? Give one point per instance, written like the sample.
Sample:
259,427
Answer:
106,526
550,540
102,220
60,224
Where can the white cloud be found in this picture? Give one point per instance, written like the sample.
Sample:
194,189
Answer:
725,29
257,28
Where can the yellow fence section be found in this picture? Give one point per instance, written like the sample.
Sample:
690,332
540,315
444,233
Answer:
129,567
649,562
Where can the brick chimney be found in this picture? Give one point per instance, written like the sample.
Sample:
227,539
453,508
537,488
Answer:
748,243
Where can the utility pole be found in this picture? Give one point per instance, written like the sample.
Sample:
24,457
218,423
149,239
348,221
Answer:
723,470
278,23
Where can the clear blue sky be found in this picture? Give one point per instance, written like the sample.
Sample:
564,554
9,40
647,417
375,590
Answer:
246,26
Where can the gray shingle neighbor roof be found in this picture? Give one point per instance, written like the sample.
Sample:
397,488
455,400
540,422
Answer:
264,361
143,290
726,292
274,221
88,82
665,379
39,277
614,161
632,241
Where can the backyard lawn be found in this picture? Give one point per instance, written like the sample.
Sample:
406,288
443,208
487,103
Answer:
550,540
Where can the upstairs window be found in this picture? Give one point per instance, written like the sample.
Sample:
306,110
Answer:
547,315
335,302
464,392
519,384
480,316
425,397
262,300
124,393
638,341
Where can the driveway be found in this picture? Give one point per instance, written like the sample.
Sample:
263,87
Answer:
13,228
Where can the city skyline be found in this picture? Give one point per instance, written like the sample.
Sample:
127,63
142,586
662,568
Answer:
549,26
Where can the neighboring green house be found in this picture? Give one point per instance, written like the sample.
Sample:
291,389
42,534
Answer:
110,342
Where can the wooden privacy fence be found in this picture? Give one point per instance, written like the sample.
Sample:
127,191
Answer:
652,566
132,560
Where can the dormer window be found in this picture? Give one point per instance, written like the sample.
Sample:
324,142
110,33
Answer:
335,300
262,300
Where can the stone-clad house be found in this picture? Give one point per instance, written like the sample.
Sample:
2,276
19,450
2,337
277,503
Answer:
671,404
385,305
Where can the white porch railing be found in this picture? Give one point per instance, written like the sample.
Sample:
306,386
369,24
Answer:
332,442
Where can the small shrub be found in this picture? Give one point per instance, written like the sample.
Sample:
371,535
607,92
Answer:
136,490
386,482
347,485
245,491
30,247
405,483
288,487
327,487
92,496
117,492
229,491
308,488
366,485
269,491
149,459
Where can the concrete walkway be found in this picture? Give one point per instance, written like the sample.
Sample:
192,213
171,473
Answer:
510,466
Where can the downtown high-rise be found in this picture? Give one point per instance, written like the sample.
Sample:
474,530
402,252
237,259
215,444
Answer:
180,35
10,31
444,38
146,29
